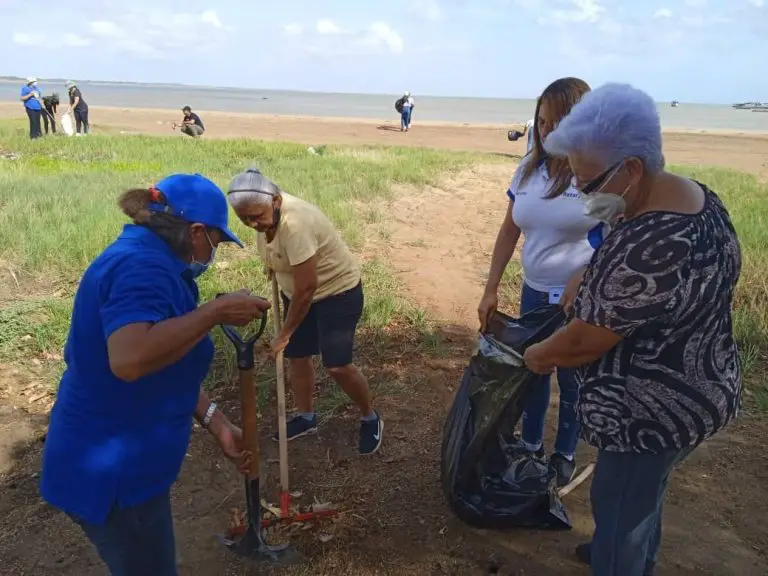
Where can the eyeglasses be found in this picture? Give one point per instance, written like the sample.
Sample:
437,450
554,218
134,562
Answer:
597,182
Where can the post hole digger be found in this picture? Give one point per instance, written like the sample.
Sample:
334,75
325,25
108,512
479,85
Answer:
247,539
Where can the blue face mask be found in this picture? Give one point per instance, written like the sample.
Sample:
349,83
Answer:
199,268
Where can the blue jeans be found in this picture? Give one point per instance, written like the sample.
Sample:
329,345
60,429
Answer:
627,498
405,118
136,541
536,410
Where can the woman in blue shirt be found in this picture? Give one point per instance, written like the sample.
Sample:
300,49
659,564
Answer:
30,96
137,352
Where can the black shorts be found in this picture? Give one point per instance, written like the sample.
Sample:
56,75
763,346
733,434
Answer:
328,328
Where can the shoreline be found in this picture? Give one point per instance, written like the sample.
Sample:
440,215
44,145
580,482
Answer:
745,151
10,109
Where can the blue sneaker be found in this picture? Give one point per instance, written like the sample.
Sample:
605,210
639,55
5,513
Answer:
370,435
299,426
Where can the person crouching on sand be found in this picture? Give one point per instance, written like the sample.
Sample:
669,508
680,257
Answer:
191,125
322,294
137,353
51,105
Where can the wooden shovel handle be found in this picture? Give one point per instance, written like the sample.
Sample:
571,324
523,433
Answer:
282,433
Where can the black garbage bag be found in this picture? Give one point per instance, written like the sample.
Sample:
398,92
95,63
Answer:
485,480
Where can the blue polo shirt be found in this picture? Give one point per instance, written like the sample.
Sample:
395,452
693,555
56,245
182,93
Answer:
32,103
114,443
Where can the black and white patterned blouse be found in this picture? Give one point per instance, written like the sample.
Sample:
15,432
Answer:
664,282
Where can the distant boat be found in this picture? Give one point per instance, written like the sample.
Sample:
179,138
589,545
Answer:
750,105
675,103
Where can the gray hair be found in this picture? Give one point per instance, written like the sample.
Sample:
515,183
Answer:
610,124
252,186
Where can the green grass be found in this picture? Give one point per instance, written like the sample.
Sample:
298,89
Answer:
58,211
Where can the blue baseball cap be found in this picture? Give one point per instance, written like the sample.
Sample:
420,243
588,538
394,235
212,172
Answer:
194,198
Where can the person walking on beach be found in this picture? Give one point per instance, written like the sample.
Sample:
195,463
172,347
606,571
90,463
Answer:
79,107
322,293
137,352
51,106
33,105
560,240
652,327
191,125
406,111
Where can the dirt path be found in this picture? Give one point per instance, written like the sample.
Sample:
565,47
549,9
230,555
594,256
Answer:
395,519
440,239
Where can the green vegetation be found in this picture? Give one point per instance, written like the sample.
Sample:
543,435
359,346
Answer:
58,211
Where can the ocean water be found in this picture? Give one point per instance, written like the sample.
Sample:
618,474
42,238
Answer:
372,106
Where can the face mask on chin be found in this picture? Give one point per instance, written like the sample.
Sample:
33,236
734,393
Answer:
199,268
604,206
600,205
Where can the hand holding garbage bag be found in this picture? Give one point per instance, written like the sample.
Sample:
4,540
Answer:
484,482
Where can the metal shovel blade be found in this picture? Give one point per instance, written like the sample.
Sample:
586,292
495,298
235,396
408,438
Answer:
253,547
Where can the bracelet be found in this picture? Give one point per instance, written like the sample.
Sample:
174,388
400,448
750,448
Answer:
209,415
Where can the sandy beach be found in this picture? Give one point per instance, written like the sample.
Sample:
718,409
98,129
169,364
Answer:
738,150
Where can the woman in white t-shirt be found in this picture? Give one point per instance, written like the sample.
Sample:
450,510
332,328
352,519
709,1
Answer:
559,242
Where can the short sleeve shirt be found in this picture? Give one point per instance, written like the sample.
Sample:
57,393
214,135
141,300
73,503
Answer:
31,103
75,93
195,119
559,238
113,443
665,283
304,231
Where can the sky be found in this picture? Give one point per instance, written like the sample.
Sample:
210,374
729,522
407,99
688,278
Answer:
689,50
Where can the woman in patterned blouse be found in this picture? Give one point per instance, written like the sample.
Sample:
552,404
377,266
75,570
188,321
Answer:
652,329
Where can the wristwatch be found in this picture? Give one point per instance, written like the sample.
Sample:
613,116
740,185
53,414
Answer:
209,415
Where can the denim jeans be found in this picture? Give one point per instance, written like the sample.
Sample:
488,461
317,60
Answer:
627,498
405,118
536,409
136,541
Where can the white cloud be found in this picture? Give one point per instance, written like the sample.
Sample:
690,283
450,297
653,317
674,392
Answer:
212,18
429,10
293,29
157,32
663,13
582,11
757,3
106,29
381,35
27,39
76,41
327,27
695,3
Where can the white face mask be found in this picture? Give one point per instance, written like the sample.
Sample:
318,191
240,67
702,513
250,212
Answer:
604,206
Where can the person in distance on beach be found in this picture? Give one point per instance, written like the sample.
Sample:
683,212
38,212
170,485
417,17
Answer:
406,111
137,352
559,242
191,125
652,328
322,294
51,105
79,107
33,105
